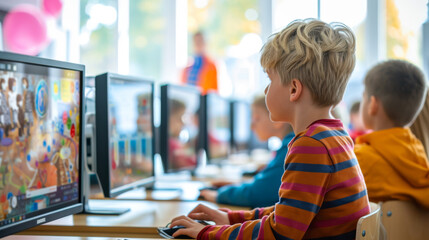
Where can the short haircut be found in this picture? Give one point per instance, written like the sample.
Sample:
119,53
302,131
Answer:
400,87
320,55
259,101
176,106
355,107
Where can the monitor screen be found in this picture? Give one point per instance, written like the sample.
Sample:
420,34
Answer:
124,132
218,127
180,114
40,141
241,131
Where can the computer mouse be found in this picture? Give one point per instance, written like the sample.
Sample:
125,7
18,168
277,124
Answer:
167,232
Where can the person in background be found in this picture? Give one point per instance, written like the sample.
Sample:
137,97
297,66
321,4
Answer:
28,104
262,191
202,72
420,127
323,193
5,117
392,159
11,86
357,127
180,154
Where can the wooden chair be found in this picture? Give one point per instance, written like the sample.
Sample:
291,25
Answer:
368,226
405,220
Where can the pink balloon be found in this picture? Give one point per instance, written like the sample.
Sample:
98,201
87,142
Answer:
52,7
24,30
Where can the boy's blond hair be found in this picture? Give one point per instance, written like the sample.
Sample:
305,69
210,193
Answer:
320,55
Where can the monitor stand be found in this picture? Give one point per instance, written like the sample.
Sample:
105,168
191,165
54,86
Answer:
94,206
100,210
174,186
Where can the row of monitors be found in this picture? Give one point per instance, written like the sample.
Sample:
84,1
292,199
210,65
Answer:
43,139
126,138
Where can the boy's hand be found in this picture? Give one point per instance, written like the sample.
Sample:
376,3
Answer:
202,212
209,195
192,228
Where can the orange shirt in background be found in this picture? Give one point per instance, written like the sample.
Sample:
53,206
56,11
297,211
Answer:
201,73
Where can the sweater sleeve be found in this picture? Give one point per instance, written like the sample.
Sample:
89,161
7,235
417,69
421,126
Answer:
308,170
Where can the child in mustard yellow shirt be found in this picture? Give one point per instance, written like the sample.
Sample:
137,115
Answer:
392,159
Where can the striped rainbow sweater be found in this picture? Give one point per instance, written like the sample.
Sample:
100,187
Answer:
322,195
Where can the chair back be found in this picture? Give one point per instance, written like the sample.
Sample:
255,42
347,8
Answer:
368,226
405,220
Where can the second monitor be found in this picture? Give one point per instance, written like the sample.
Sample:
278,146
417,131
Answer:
180,138
217,127
124,133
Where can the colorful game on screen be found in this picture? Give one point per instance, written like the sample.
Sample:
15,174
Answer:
130,131
39,139
183,128
219,132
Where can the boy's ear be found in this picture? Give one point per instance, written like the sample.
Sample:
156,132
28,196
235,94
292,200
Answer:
373,106
295,90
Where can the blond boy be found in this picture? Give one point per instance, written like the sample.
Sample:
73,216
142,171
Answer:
392,159
322,194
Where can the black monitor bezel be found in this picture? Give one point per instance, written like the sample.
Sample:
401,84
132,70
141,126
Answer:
164,133
73,207
233,122
205,127
102,82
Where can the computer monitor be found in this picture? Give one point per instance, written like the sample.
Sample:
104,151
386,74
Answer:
240,128
124,133
217,121
180,138
40,141
89,115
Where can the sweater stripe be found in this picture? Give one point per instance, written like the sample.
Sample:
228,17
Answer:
303,188
342,201
346,164
308,150
308,167
220,231
291,223
330,133
341,149
255,230
299,204
341,220
233,235
347,183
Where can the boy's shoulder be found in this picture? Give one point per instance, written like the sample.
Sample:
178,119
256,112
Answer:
324,129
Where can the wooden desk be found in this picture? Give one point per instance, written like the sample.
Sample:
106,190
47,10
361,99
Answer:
39,237
140,222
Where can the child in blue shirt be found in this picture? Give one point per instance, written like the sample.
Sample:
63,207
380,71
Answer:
262,191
